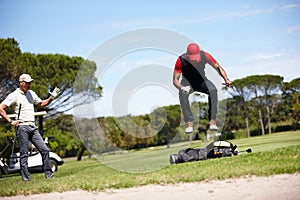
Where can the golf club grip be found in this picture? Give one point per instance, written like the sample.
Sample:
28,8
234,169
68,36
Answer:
232,86
16,130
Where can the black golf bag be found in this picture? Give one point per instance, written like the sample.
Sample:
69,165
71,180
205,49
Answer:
215,149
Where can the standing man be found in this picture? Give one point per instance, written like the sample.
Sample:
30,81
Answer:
191,66
24,100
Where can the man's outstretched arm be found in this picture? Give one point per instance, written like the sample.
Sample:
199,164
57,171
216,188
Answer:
223,74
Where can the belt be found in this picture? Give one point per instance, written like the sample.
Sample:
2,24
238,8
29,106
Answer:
27,123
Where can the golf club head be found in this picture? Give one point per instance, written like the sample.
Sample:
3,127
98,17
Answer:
248,150
233,148
10,140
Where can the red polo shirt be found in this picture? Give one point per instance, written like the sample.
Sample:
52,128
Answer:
209,58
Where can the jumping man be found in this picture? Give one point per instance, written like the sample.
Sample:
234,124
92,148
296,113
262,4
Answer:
191,66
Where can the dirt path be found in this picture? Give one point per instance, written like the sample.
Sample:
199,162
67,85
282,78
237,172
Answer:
285,186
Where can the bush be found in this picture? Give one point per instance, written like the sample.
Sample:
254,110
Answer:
283,128
256,132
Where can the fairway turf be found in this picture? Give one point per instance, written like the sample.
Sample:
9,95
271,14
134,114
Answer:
272,154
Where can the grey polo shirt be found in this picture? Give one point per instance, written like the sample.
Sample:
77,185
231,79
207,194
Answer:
27,100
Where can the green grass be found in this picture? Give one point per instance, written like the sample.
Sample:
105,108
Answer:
272,154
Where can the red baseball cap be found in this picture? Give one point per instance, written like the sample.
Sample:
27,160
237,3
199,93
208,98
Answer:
193,52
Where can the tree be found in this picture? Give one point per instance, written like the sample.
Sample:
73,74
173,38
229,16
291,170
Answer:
62,135
73,75
265,88
9,55
270,86
243,95
291,95
261,90
235,117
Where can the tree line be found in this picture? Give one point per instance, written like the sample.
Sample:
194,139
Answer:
264,102
261,104
49,71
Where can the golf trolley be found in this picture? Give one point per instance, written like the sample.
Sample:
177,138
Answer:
10,161
11,164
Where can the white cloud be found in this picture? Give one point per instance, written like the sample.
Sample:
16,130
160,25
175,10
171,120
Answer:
267,63
290,6
293,29
265,56
163,22
132,24
243,13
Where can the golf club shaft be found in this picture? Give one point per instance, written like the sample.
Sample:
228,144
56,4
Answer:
19,112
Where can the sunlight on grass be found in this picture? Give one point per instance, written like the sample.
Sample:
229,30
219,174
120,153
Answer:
272,154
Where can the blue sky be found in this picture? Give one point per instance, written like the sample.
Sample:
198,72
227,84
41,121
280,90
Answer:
246,37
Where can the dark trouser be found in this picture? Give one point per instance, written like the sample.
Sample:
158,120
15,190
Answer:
206,87
30,133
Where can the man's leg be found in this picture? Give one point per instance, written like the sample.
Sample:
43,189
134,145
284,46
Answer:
210,89
186,110
22,136
39,143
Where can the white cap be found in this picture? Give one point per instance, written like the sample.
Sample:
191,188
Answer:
26,78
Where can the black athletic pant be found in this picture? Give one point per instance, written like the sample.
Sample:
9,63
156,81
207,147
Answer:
206,87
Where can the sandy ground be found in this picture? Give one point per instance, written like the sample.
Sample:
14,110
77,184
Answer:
283,187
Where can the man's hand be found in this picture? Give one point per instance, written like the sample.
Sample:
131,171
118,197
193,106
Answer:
15,123
55,93
186,89
228,83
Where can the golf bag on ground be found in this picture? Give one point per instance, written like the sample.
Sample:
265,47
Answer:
215,149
